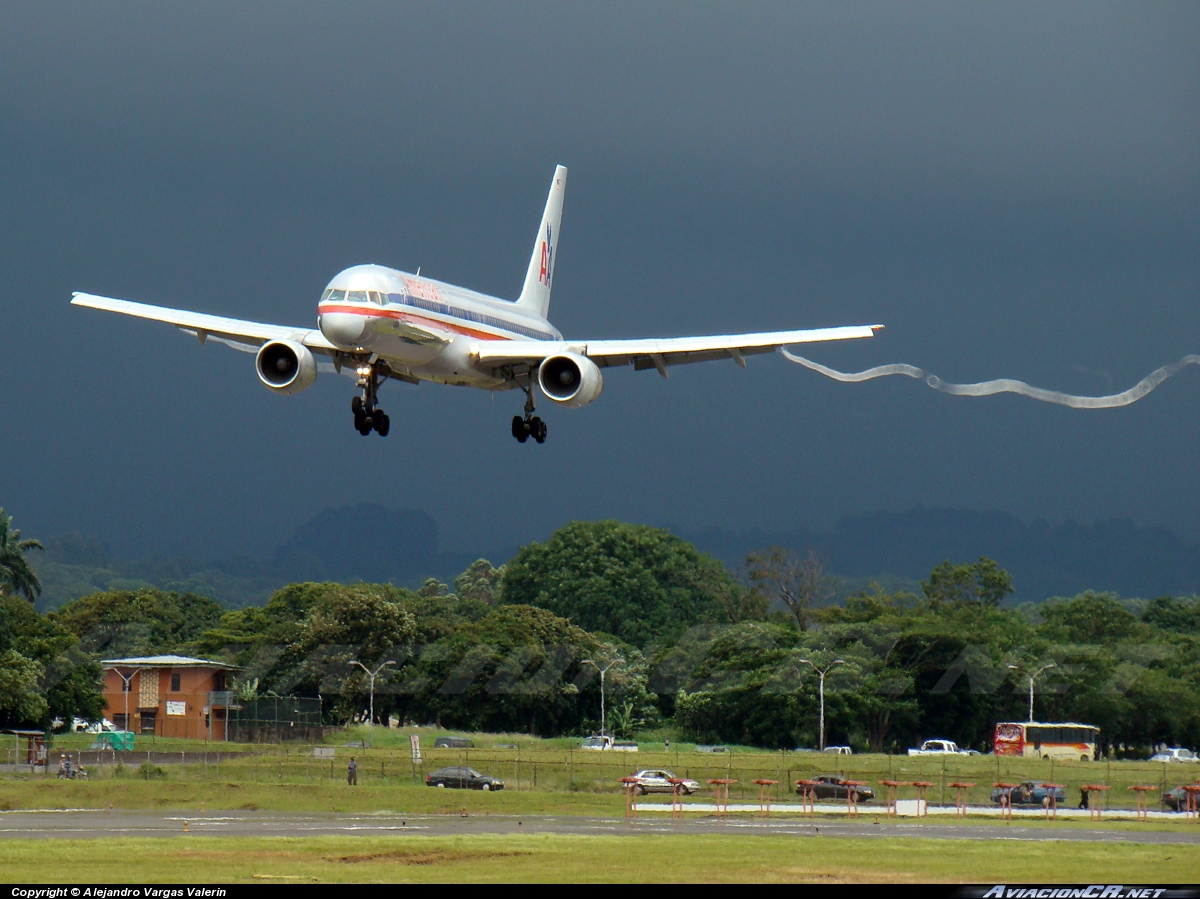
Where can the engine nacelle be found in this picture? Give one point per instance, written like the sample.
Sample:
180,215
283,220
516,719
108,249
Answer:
570,379
285,366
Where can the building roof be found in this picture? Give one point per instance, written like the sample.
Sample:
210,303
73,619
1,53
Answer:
164,662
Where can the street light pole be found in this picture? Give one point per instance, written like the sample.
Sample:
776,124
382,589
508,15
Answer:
127,683
371,674
603,671
821,691
1031,678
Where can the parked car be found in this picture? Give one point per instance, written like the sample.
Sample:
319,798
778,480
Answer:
1029,793
1175,755
937,747
462,778
604,742
831,786
1176,799
839,750
452,743
656,781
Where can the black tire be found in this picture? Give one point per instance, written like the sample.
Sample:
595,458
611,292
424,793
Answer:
383,424
356,405
487,788
518,428
641,790
537,428
366,426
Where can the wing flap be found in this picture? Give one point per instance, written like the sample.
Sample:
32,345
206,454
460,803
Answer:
227,330
669,350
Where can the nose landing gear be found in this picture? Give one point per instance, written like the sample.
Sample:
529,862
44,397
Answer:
530,425
367,415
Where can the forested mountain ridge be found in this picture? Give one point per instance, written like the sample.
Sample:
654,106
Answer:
1045,560
893,548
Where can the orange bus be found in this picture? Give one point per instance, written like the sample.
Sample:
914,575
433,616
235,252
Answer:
1039,740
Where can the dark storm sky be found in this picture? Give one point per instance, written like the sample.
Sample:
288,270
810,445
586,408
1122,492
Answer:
1013,189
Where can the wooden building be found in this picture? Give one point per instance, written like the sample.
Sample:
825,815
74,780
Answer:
169,696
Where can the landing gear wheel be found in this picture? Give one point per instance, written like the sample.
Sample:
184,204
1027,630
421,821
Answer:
356,405
383,424
519,429
529,425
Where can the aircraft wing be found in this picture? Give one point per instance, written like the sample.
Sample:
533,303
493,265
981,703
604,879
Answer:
659,353
232,331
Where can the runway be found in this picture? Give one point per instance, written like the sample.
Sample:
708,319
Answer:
104,824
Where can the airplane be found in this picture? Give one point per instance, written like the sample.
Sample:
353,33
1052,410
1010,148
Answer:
380,324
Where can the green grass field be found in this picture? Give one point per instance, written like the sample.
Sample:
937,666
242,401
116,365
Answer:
528,764
570,859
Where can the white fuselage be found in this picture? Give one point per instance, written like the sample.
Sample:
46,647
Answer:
423,329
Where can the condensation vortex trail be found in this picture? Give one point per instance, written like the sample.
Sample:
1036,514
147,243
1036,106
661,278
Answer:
1005,385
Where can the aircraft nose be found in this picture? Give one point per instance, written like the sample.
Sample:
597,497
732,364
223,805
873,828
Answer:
343,329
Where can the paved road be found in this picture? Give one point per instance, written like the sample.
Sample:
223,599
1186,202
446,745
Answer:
86,823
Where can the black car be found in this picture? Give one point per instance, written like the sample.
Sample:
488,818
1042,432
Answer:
1029,793
453,743
830,786
462,778
1176,799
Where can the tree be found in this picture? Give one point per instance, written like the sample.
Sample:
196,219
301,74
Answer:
481,582
1174,613
16,574
983,582
43,672
1089,617
517,669
122,623
799,583
638,583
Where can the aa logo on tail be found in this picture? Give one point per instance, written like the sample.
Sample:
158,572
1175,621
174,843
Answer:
547,270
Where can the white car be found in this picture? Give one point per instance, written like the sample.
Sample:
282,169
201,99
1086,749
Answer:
1175,755
938,747
658,780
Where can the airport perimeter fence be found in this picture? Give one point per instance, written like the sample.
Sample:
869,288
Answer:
578,770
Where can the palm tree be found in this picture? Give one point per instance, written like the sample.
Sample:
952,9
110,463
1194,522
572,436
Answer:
16,574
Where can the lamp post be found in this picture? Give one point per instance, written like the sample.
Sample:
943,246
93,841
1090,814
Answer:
603,671
1031,678
821,690
371,674
128,687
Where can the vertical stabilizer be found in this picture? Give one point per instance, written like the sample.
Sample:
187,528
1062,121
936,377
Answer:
535,295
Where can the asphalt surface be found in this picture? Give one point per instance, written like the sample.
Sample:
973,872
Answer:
101,824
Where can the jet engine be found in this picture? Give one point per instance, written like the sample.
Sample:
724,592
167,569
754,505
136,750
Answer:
570,379
285,366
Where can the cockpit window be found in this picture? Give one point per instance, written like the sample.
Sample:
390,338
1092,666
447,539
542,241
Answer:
356,296
377,297
332,295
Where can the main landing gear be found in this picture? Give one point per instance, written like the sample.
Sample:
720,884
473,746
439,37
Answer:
530,425
367,415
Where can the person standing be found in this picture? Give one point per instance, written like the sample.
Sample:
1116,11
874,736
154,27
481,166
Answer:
352,773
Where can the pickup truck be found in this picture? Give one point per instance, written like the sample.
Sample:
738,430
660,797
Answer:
938,747
605,742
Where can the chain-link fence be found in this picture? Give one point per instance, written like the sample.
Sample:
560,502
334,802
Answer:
578,770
